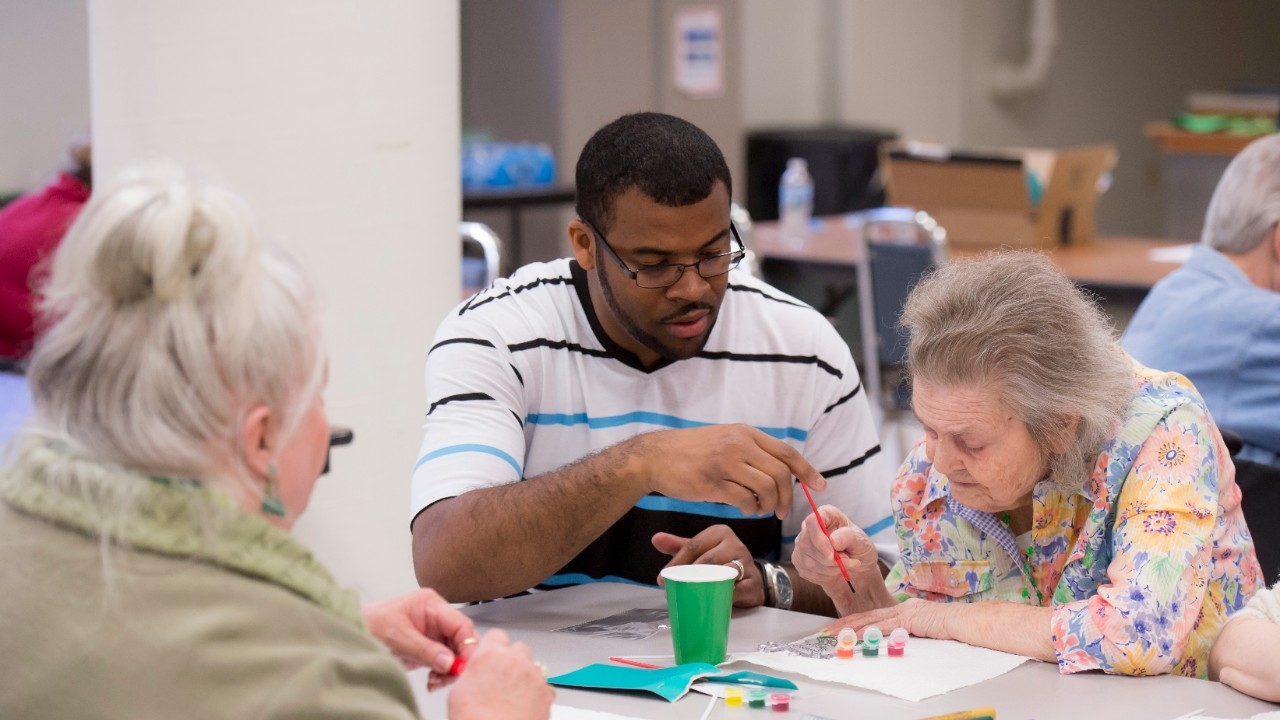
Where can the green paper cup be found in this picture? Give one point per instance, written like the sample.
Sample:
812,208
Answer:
699,600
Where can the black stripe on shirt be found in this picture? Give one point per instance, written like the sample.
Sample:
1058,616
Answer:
828,474
557,345
464,397
843,400
465,341
458,398
771,358
483,343
767,296
624,549
513,291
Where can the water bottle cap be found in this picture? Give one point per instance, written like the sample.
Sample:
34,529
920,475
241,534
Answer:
797,162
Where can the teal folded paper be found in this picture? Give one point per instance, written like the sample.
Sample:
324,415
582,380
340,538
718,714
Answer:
670,683
746,677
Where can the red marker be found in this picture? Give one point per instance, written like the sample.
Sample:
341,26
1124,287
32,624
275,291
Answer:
636,663
458,666
823,526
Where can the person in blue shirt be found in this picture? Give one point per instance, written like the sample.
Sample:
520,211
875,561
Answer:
1216,319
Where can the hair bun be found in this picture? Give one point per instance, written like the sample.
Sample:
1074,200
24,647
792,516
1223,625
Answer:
156,238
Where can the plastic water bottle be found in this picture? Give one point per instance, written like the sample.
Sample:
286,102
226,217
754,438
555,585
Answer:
795,203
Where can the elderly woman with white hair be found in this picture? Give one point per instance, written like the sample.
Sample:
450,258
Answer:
177,435
1065,502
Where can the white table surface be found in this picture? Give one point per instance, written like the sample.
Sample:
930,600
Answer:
1033,690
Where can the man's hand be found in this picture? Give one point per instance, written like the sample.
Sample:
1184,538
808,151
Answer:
538,525
736,465
717,545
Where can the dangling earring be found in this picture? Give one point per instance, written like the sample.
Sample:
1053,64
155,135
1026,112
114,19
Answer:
271,502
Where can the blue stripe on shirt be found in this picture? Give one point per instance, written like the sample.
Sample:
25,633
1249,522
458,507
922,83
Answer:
647,418
883,524
706,509
872,529
469,447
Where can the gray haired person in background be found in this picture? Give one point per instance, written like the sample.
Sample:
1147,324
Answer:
1216,319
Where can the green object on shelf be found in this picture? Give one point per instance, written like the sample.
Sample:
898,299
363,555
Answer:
1234,125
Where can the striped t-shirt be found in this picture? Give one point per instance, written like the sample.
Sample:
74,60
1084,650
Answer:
522,380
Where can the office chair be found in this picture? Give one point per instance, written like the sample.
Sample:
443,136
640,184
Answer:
481,257
897,246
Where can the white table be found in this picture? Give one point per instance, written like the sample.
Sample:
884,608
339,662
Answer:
1033,690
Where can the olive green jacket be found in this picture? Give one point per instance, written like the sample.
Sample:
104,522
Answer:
194,609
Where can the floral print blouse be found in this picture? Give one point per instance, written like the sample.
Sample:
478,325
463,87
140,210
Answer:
1142,566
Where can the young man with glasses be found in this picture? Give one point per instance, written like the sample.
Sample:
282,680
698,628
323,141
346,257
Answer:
641,403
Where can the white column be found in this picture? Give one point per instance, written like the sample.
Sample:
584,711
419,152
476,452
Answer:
44,89
338,121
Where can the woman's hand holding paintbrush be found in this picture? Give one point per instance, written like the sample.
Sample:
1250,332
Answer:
837,555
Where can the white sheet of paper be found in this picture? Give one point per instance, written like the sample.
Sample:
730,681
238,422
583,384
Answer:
928,668
1176,254
564,712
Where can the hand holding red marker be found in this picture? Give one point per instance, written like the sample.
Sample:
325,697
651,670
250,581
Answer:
460,663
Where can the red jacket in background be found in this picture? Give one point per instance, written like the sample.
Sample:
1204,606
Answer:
30,229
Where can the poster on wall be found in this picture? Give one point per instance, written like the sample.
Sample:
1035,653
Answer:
699,51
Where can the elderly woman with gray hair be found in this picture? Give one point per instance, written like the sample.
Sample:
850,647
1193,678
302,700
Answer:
177,435
1065,503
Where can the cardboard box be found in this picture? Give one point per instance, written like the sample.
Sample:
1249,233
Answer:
982,198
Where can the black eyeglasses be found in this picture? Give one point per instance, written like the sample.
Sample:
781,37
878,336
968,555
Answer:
667,274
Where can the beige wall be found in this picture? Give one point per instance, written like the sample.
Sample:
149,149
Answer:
1118,65
922,67
557,70
617,58
44,87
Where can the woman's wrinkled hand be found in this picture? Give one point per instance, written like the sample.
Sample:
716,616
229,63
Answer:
422,630
815,561
921,618
501,681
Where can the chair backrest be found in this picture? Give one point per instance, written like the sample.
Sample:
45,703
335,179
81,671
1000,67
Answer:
897,246
1260,500
479,272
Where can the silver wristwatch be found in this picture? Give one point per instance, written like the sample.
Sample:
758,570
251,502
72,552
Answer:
777,585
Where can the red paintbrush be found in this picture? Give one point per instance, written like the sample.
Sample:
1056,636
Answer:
823,526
